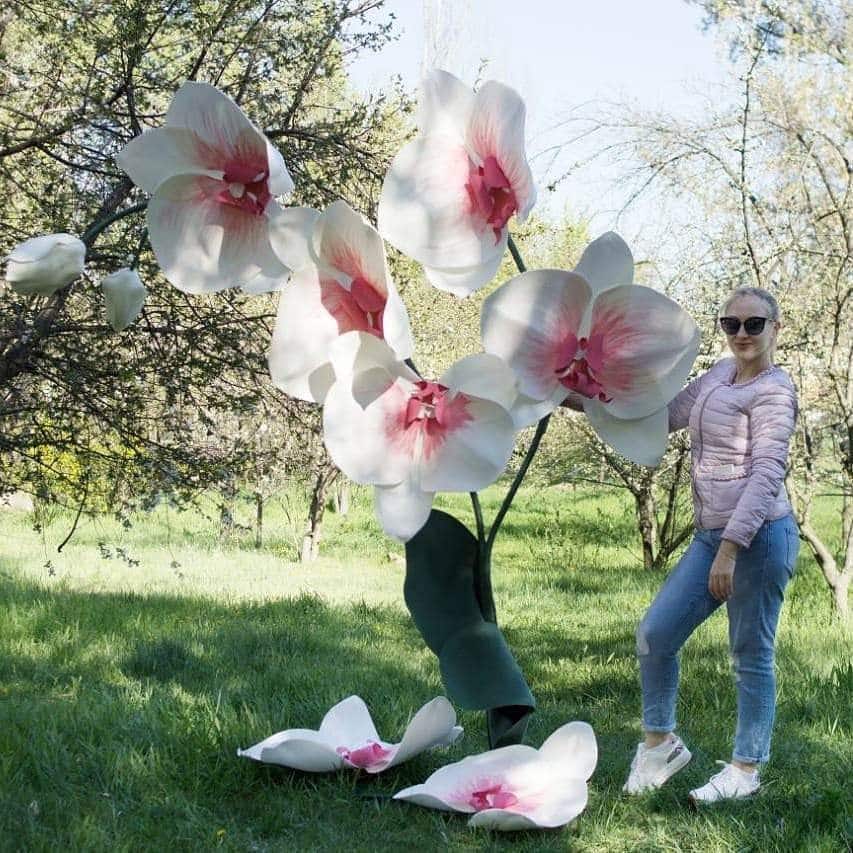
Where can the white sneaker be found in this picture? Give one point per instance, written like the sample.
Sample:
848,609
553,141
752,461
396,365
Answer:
731,783
651,767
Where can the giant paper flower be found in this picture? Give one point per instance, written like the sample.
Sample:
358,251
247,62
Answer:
449,193
42,265
349,289
386,426
213,220
625,349
348,738
516,787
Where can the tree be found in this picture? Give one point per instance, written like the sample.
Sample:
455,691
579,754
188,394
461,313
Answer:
115,420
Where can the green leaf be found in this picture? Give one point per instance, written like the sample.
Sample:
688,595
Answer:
477,666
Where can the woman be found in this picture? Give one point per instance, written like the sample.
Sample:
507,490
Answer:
741,415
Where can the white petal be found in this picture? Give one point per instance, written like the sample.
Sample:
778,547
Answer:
502,820
348,724
395,324
642,440
345,241
204,246
302,749
279,182
606,262
483,375
574,748
290,233
474,454
299,356
42,265
526,320
424,208
420,795
568,799
445,104
160,154
357,352
431,726
526,411
497,129
215,119
124,296
403,509
361,440
464,282
647,339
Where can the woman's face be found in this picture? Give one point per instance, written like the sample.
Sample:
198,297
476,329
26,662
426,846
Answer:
751,349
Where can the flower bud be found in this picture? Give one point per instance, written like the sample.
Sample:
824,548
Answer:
124,295
42,265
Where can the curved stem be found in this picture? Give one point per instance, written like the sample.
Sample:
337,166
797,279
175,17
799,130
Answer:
94,230
507,501
516,255
478,516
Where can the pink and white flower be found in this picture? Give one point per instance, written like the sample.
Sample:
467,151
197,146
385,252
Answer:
124,296
347,737
624,349
516,787
42,265
449,193
349,289
409,437
213,176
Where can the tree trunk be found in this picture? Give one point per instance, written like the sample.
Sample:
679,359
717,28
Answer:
645,503
840,593
226,510
259,520
311,540
342,496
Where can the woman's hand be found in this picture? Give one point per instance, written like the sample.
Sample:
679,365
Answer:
722,576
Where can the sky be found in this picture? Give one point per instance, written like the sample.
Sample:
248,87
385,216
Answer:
564,58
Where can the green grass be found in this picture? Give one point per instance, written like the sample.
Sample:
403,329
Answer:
126,688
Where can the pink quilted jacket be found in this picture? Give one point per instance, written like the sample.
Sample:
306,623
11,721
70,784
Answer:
739,442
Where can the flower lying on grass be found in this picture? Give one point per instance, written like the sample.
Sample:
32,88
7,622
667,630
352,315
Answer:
348,738
516,787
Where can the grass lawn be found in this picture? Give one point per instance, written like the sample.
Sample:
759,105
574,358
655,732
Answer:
137,661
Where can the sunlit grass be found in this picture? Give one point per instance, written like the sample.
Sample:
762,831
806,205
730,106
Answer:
129,678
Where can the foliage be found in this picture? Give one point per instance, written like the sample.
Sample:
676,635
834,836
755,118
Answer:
153,410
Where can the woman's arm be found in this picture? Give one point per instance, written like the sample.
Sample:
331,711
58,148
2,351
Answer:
771,423
682,403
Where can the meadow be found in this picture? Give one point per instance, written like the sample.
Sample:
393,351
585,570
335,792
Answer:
136,662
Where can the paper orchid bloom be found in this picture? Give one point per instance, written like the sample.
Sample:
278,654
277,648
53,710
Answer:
348,738
409,437
516,787
213,220
124,296
624,349
42,265
449,193
349,289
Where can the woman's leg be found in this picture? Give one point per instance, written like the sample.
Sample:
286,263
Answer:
761,574
682,604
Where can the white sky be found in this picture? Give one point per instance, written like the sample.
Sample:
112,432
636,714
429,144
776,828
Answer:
560,56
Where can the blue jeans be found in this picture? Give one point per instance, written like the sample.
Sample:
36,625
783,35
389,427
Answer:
684,602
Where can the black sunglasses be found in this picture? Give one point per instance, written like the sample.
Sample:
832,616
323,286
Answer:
752,325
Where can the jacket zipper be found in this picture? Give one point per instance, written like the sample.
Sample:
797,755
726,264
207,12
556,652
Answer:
701,450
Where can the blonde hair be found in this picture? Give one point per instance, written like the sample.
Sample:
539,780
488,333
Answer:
765,295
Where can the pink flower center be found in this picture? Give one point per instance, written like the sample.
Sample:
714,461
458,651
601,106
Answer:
428,413
578,364
490,194
358,309
369,755
494,797
247,187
